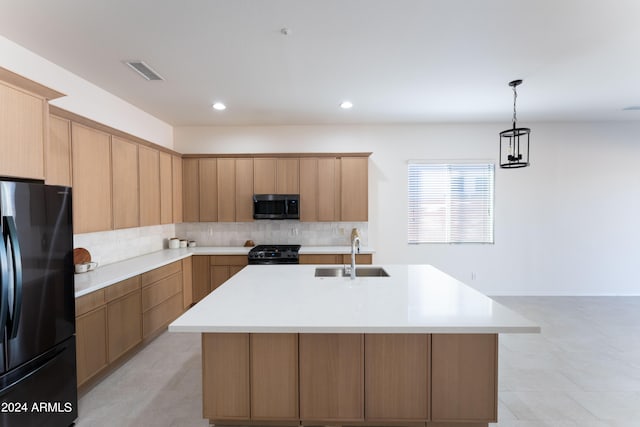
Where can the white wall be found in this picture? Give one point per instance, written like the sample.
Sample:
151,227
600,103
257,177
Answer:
567,225
83,97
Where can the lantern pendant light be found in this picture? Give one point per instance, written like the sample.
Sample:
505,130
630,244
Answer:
514,142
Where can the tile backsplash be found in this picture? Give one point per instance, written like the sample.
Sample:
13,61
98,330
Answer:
107,247
272,232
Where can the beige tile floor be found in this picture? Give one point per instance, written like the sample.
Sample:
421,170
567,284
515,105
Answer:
583,370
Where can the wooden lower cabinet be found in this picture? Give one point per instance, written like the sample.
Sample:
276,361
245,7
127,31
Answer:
397,377
187,282
334,259
464,377
91,343
331,377
324,379
200,276
274,366
124,325
225,376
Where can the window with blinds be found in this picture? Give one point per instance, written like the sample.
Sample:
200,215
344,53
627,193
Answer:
450,202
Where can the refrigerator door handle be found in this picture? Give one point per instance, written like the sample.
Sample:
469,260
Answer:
4,288
11,231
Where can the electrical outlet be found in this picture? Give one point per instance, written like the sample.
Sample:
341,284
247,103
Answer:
473,275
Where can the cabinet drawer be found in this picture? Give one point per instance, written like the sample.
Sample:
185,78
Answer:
229,260
320,259
160,273
156,293
86,303
360,259
122,288
161,315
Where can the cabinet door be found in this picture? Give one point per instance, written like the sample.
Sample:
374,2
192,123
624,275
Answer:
464,377
219,275
360,259
176,173
354,197
22,130
320,259
91,343
149,170
244,190
396,377
274,366
308,189
187,282
190,190
166,189
225,376
58,157
264,175
328,189
92,180
226,190
126,201
208,177
124,324
287,176
331,377
201,277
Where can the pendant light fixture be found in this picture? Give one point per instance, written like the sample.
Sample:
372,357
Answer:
514,142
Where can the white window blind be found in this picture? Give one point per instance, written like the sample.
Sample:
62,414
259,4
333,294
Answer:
450,202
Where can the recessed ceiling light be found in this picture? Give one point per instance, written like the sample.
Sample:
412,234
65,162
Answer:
345,105
219,106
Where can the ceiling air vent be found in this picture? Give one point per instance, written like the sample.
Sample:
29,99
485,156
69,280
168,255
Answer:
144,70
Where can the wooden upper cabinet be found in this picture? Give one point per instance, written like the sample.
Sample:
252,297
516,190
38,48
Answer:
319,189
149,170
176,173
244,190
354,186
190,190
226,190
124,163
264,175
287,176
92,179
308,189
166,188
276,175
58,153
23,115
208,194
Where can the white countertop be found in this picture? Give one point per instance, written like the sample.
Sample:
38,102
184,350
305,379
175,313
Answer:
289,299
107,275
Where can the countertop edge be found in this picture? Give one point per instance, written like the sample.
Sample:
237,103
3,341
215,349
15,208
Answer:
360,330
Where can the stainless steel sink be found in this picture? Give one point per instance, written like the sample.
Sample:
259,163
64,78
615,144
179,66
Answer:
360,272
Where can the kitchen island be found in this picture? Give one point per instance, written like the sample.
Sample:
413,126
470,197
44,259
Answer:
280,346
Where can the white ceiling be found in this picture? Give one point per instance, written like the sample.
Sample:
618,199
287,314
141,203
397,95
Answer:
398,61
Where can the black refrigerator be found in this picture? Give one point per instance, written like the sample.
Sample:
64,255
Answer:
37,313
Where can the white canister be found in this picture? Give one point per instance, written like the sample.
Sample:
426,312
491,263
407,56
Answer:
192,243
183,243
174,243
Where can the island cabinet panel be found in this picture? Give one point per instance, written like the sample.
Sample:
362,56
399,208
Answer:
126,202
191,190
58,155
331,377
166,189
176,176
91,343
464,377
91,151
200,277
225,376
274,376
397,377
208,184
149,178
354,194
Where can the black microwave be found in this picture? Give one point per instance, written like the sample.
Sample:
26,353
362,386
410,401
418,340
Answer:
276,206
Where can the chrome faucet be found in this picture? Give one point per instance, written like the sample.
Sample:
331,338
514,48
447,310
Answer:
355,241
